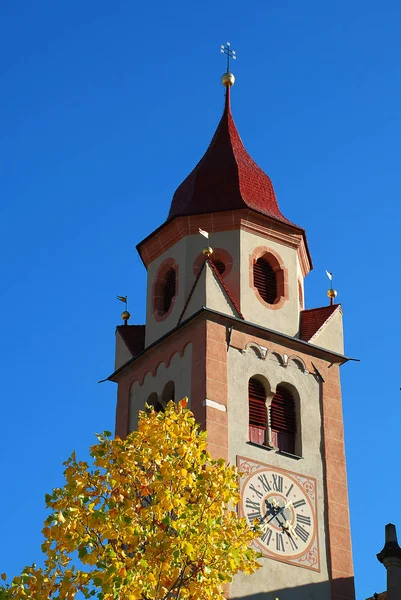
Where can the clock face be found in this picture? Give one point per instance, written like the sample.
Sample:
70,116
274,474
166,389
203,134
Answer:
284,505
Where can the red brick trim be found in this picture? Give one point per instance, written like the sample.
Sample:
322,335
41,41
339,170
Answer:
158,288
248,220
280,271
194,334
338,526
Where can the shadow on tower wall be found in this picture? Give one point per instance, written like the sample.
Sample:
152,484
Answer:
340,589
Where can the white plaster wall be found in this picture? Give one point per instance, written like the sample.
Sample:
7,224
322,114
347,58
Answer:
286,318
209,292
179,371
275,575
331,335
122,354
156,329
216,296
185,252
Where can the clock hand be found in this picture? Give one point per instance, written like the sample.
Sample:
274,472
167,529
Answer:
289,529
286,505
270,504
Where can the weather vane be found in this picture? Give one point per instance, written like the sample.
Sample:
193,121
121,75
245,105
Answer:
125,315
229,53
331,292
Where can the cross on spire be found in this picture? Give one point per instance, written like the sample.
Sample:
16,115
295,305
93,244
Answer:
229,53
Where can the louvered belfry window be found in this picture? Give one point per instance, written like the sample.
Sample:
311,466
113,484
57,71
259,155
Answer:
220,266
168,289
283,420
264,279
257,411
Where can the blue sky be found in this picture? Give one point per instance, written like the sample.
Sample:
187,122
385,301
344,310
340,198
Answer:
106,107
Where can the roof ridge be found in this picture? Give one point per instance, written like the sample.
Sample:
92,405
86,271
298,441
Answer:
223,284
320,307
191,293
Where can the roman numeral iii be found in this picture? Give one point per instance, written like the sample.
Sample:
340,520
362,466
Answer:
303,519
299,503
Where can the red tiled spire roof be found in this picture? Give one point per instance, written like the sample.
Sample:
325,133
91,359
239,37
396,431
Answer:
226,178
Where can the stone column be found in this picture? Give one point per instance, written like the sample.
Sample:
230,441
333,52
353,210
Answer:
390,557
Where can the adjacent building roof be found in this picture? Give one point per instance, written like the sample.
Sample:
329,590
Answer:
313,319
382,596
134,337
226,178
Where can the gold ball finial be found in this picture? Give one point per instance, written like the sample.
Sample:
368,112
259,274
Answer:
207,251
332,293
227,79
125,316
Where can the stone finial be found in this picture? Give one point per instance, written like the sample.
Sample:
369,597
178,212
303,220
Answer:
391,547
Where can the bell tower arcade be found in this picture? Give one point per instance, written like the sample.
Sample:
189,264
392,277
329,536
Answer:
226,325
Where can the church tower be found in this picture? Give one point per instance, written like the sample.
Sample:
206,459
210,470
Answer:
226,325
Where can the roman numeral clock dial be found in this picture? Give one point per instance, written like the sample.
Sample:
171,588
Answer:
283,503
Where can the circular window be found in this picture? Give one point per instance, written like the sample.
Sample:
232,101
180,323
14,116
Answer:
220,266
220,258
165,289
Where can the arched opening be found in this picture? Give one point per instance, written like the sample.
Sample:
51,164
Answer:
264,279
169,289
168,393
257,411
153,400
283,420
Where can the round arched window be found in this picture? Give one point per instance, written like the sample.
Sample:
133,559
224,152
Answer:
257,411
283,421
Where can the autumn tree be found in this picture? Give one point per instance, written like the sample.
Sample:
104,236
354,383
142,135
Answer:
152,518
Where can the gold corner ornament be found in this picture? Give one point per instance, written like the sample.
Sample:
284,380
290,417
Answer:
125,316
331,293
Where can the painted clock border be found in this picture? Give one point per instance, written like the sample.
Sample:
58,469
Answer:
310,559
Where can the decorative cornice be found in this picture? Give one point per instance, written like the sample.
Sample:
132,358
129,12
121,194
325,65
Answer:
170,233
268,334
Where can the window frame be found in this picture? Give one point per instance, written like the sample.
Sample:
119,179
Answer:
280,271
158,289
